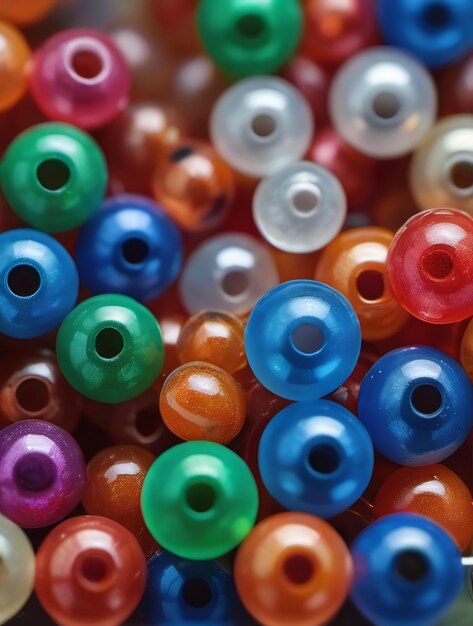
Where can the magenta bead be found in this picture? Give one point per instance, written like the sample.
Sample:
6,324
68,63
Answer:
42,473
79,76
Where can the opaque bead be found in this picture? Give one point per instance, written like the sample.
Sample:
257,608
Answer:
90,570
313,82
14,58
110,348
206,505
467,350
25,11
293,570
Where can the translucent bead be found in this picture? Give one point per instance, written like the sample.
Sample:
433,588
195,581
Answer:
383,102
260,125
14,58
228,272
301,208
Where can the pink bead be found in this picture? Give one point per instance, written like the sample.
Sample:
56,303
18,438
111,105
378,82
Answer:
79,76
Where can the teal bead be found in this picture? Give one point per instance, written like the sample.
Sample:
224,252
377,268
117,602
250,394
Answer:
110,348
199,500
248,37
54,176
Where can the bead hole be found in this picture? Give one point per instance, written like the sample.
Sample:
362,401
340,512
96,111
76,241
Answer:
53,174
305,201
298,568
87,64
411,566
324,459
35,472
180,154
370,285
426,399
109,343
235,283
386,105
308,338
461,175
196,593
95,569
250,26
32,395
263,125
135,250
437,264
436,15
23,280
146,422
201,497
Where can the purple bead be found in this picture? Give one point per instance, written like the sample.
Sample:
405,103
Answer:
42,473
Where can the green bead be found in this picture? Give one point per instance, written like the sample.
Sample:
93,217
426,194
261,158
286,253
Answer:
199,500
248,37
110,348
54,176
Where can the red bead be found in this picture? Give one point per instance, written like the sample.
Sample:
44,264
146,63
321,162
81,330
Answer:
456,88
313,82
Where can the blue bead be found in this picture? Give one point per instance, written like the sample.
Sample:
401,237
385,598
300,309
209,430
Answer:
408,571
188,593
417,405
131,247
302,340
316,457
437,32
38,283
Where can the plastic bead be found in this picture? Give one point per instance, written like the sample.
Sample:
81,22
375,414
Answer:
407,570
312,81
42,474
316,457
247,37
436,31
14,58
38,283
129,246
25,11
18,568
90,570
467,351
228,272
175,21
79,76
110,348
302,340
206,505
456,87
195,186
54,176
383,102
300,209
260,125
415,403
354,263
433,491
429,265
293,570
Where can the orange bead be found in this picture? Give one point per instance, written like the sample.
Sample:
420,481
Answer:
354,263
202,401
294,266
467,350
114,480
25,11
433,491
14,58
293,569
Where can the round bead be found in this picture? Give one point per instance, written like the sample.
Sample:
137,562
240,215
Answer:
383,102
129,246
79,76
53,176
407,570
456,87
316,457
42,474
429,265
247,37
293,570
206,505
110,348
25,11
302,340
415,403
14,58
467,350
260,125
300,209
228,272
38,283
313,81
90,570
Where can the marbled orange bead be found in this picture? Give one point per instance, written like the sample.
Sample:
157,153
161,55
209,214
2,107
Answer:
467,350
14,58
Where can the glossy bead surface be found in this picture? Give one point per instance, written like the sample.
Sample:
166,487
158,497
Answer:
407,570
429,266
416,404
260,125
38,283
42,475
316,457
354,263
90,570
383,102
79,76
110,348
467,351
302,340
14,58
228,272
207,504
25,11
129,246
433,491
293,570
300,209
53,176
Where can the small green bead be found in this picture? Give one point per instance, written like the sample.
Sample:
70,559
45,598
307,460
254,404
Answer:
110,348
54,176
248,37
199,500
